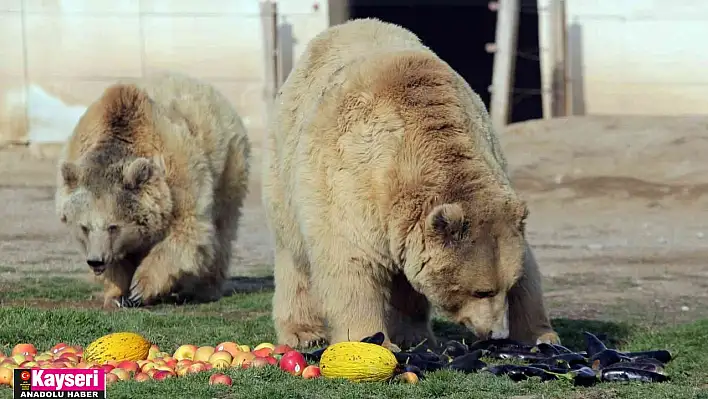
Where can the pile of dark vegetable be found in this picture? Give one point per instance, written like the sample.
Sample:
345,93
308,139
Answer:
548,362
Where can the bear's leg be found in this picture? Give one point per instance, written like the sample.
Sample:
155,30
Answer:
188,250
297,315
353,293
116,283
528,320
228,201
408,315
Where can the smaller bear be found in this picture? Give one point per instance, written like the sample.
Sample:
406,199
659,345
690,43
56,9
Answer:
151,183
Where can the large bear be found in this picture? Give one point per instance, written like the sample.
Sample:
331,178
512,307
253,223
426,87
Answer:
387,194
151,184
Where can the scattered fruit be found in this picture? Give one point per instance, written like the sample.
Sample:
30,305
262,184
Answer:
231,347
358,361
185,352
311,372
24,349
219,378
293,362
118,346
203,353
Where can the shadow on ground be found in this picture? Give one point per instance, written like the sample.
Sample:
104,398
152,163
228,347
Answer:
614,334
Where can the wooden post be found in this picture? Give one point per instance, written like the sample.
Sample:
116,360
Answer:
269,22
561,101
504,62
546,55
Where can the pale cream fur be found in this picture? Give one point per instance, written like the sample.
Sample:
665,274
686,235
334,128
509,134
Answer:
386,191
165,160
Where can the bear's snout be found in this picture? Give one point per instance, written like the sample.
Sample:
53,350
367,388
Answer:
98,265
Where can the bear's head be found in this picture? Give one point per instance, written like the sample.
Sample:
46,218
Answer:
470,255
114,211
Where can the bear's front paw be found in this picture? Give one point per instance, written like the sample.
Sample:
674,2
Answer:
549,337
144,288
125,302
302,339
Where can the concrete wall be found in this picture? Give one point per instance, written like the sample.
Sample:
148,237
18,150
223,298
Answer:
56,56
638,57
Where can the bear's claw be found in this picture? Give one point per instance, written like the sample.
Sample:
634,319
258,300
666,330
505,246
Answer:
124,302
548,338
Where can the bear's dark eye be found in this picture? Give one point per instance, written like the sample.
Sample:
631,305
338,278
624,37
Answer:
85,229
483,294
113,229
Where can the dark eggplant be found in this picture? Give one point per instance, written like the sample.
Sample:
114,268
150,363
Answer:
540,366
584,377
413,369
423,346
404,357
520,373
427,365
454,349
430,356
663,356
562,349
314,356
468,363
606,358
593,343
545,349
500,369
376,339
499,345
630,374
520,355
566,359
656,368
647,360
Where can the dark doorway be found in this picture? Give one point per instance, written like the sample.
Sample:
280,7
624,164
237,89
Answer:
458,34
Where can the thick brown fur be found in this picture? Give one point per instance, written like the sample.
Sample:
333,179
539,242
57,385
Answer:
151,184
386,192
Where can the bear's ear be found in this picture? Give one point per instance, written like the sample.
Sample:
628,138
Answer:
448,222
137,173
520,212
69,174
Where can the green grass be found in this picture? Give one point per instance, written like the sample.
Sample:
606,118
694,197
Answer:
246,318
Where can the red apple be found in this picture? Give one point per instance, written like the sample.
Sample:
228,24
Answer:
220,378
311,372
24,349
231,347
161,375
293,362
282,349
129,365
196,367
141,377
242,358
106,367
56,348
258,362
122,374
111,378
263,352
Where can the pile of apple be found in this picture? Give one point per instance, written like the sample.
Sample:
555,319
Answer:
187,359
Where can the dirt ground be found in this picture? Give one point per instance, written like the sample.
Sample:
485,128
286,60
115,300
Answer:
619,216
